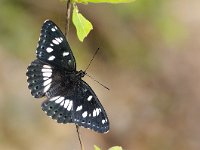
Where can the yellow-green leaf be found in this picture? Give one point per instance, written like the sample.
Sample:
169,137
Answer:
83,26
79,1
96,147
116,148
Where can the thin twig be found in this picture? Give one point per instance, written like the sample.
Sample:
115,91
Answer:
79,137
68,12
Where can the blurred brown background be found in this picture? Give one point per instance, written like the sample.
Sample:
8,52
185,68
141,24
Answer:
150,58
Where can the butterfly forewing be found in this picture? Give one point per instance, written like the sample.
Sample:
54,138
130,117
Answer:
53,47
79,105
53,74
88,111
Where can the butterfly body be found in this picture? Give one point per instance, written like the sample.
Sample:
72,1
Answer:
53,75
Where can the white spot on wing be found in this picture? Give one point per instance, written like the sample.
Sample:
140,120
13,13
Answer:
54,98
47,66
45,78
94,113
66,103
46,70
70,105
59,40
47,74
103,121
89,98
79,108
65,53
62,103
53,29
47,82
51,44
55,42
84,114
51,58
47,88
59,100
98,111
49,49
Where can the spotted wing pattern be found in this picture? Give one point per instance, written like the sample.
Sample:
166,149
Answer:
53,47
39,78
78,105
88,111
53,74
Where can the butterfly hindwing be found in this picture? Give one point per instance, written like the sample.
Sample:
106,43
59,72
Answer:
58,108
53,47
39,78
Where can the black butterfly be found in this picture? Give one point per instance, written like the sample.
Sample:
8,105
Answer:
53,74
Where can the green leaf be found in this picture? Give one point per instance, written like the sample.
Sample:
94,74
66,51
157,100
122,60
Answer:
83,26
104,1
116,148
79,1
96,147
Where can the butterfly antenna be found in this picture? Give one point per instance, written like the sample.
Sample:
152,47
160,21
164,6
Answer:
91,60
97,81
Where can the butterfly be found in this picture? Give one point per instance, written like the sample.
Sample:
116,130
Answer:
53,75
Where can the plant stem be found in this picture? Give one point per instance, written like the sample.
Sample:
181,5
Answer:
79,137
68,12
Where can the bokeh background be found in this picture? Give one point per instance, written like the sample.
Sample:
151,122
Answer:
149,58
